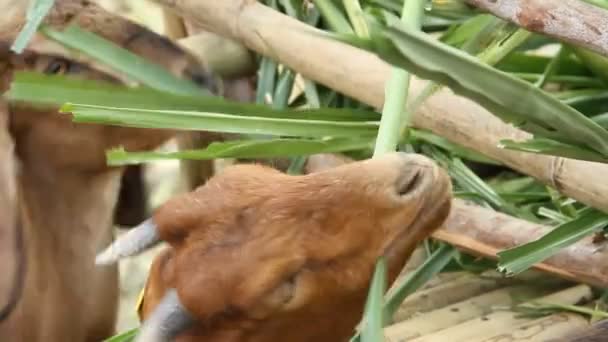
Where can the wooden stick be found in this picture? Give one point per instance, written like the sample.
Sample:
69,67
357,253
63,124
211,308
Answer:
572,21
361,75
485,232
484,328
470,308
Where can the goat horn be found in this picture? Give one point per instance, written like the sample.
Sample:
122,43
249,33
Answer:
167,320
138,239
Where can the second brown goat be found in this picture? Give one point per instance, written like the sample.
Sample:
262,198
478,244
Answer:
258,255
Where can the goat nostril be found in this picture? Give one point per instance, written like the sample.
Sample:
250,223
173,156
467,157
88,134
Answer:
410,183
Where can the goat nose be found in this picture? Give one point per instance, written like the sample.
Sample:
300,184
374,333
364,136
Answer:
410,180
415,160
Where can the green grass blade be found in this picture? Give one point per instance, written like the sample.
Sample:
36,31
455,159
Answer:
245,149
44,90
508,97
395,120
518,259
357,18
266,79
127,336
35,15
128,63
373,316
283,89
216,122
597,63
454,149
552,67
413,281
333,16
552,147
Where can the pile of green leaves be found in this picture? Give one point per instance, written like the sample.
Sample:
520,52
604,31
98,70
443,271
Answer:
559,98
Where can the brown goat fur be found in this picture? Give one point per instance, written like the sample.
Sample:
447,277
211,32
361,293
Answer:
65,192
257,255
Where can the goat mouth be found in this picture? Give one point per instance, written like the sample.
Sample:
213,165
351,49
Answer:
429,218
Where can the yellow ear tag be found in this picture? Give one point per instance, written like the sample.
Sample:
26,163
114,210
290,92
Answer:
140,300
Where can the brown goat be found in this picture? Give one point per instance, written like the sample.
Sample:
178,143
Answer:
65,193
257,255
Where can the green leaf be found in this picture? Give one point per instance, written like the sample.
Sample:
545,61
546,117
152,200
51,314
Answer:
215,122
508,97
469,181
45,90
522,257
453,148
128,63
246,149
597,63
552,147
266,78
552,67
35,15
413,281
538,309
374,315
333,16
127,336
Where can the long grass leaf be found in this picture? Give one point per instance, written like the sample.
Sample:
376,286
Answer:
246,149
120,59
552,147
413,281
333,16
44,90
508,97
374,317
127,336
35,15
216,122
520,258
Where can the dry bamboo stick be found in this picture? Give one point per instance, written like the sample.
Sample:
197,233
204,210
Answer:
544,329
598,331
485,232
465,310
572,21
485,327
362,75
448,293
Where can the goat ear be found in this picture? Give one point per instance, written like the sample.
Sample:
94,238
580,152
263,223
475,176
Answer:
230,281
11,252
127,34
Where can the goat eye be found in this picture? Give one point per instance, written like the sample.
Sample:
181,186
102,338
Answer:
56,67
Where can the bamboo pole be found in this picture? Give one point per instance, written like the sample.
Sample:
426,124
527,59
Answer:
546,329
447,316
572,21
596,332
484,328
362,75
485,232
444,294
